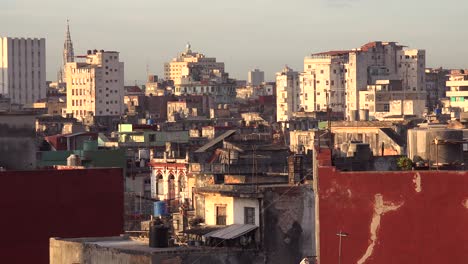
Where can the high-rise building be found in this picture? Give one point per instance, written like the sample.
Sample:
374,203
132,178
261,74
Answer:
23,69
195,74
255,77
192,66
95,87
323,81
341,75
287,94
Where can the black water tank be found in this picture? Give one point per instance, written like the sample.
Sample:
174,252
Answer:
158,236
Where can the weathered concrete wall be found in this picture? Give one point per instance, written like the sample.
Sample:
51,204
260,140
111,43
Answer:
40,204
17,153
88,253
289,231
17,141
393,217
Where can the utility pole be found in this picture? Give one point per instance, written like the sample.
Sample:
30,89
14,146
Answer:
341,234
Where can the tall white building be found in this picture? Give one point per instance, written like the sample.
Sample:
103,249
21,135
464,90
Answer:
23,69
287,94
96,86
255,77
323,82
341,75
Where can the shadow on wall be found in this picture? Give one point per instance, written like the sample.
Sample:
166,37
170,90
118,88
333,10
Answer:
289,233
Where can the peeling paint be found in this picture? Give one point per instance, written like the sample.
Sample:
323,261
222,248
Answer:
465,203
380,208
417,183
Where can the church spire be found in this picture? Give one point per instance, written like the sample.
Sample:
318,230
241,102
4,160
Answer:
68,54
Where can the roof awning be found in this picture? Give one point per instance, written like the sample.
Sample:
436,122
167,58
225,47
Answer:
232,231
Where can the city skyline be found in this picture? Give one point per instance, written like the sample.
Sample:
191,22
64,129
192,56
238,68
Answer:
244,35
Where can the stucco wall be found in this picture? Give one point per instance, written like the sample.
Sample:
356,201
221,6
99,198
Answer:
393,217
40,204
77,252
210,208
239,212
289,231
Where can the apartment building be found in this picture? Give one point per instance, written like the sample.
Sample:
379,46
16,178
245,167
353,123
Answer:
195,74
340,75
23,69
323,81
191,65
95,87
389,98
457,93
436,87
287,94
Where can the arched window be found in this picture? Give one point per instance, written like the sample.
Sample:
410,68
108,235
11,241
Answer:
181,184
159,185
171,193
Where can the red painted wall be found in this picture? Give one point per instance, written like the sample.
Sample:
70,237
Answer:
418,223
37,205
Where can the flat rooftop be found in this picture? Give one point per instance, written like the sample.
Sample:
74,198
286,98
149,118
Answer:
133,245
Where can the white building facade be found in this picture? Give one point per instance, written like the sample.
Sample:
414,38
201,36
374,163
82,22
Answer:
341,75
95,87
287,94
457,94
23,69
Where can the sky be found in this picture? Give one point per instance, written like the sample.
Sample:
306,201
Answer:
244,34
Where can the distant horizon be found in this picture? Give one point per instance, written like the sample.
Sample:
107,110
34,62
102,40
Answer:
243,34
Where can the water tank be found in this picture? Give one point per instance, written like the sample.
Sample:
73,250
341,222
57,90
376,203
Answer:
353,115
73,160
160,208
158,236
438,111
149,122
90,145
364,114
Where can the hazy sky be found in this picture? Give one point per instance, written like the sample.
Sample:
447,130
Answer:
242,33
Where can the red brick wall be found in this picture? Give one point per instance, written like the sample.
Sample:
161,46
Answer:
37,205
416,216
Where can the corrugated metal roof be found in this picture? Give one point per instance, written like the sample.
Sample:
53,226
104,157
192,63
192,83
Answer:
232,231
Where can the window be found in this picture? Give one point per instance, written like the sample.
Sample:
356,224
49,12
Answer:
321,71
159,185
386,107
249,215
171,184
220,214
152,138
